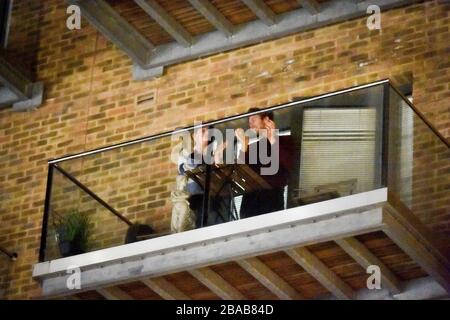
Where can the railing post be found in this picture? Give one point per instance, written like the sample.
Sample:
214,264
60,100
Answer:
45,217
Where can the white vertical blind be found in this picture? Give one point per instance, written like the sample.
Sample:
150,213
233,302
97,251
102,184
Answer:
338,145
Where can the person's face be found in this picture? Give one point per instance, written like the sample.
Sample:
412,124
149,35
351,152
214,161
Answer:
256,123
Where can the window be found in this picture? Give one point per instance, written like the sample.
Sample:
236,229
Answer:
5,11
328,158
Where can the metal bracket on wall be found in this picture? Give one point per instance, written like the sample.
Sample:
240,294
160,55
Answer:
12,255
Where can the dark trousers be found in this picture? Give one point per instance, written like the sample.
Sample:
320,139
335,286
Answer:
260,202
218,210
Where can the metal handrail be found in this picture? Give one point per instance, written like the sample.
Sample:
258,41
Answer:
423,118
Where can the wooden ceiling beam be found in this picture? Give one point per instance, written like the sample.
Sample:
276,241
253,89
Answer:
418,250
114,293
365,258
214,16
422,233
269,279
216,284
321,272
312,6
115,28
262,11
165,289
166,21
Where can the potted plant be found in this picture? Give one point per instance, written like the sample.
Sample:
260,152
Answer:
72,233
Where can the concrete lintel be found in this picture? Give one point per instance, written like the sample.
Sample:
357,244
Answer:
37,93
140,74
14,80
7,97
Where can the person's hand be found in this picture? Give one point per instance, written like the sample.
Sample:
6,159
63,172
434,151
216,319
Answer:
242,138
240,134
200,140
218,154
269,131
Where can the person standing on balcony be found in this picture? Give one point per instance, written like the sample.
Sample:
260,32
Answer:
188,161
266,201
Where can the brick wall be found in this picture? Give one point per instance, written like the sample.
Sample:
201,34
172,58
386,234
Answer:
431,180
4,274
90,99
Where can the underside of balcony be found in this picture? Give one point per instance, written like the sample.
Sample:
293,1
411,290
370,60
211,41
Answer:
317,251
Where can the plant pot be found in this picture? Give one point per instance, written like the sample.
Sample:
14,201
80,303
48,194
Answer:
137,232
70,248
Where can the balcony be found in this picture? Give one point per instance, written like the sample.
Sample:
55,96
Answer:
364,178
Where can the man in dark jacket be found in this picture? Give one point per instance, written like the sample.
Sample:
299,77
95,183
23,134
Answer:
265,201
